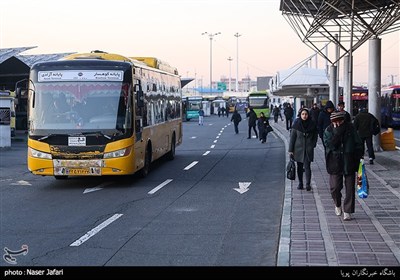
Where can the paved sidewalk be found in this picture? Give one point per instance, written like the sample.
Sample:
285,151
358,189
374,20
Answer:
312,235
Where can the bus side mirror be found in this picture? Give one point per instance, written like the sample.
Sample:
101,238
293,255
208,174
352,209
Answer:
139,95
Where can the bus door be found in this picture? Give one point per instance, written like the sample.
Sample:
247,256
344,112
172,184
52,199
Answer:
140,122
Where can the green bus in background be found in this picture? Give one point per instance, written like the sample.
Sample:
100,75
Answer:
260,102
191,107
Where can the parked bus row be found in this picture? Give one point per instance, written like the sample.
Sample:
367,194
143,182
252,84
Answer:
390,103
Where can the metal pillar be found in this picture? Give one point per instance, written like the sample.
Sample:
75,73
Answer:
374,84
347,88
332,84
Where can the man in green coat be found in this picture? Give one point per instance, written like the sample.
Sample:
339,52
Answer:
343,150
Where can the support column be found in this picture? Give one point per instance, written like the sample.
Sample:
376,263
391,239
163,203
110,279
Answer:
333,96
347,87
374,85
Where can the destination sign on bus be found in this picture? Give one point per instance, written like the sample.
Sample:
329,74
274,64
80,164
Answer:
74,75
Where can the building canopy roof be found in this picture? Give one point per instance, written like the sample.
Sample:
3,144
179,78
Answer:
10,52
318,22
299,82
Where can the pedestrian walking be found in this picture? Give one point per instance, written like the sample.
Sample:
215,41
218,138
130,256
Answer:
303,139
340,108
261,121
324,119
201,116
288,112
343,150
364,123
314,112
252,119
236,118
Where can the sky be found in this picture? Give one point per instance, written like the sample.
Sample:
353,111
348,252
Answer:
171,30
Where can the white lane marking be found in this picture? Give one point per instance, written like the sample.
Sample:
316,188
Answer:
206,153
212,146
21,183
193,137
224,126
191,165
217,137
97,188
243,187
215,141
94,231
166,182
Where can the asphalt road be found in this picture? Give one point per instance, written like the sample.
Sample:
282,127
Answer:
218,203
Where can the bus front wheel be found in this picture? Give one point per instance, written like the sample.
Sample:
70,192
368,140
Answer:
146,167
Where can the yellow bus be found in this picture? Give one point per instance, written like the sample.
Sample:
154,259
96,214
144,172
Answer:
97,114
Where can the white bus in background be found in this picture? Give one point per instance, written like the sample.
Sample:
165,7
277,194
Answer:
219,103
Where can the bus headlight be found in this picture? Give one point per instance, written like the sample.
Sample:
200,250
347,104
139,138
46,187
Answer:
38,154
118,153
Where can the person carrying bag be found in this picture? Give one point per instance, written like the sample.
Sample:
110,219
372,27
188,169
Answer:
291,169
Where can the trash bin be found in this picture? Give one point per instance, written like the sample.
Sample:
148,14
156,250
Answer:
387,140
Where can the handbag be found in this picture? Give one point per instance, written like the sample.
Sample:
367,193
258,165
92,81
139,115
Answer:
362,181
269,129
291,169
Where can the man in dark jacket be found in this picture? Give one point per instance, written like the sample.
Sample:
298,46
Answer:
324,119
252,119
288,112
343,150
340,108
314,112
363,123
236,118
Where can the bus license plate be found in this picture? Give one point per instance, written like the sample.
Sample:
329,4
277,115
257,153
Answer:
83,171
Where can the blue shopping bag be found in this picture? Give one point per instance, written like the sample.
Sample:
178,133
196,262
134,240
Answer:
362,181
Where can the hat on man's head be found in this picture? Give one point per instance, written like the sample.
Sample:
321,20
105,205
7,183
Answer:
335,116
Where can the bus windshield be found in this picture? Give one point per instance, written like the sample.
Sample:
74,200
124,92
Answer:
258,101
71,107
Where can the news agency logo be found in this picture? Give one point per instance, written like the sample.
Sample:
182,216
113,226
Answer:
10,254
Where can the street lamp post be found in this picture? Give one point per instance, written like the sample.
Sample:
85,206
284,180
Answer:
211,36
230,60
237,35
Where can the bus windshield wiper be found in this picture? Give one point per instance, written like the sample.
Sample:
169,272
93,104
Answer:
97,133
50,135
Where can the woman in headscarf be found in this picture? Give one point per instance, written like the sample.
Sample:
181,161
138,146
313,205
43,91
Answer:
303,139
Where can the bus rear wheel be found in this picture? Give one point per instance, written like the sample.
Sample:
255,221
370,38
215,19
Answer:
171,153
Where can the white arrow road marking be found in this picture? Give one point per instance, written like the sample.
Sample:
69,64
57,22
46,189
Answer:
97,188
206,153
88,190
21,183
94,231
166,182
191,165
243,187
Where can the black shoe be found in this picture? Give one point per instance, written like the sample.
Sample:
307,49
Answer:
308,188
371,161
300,187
